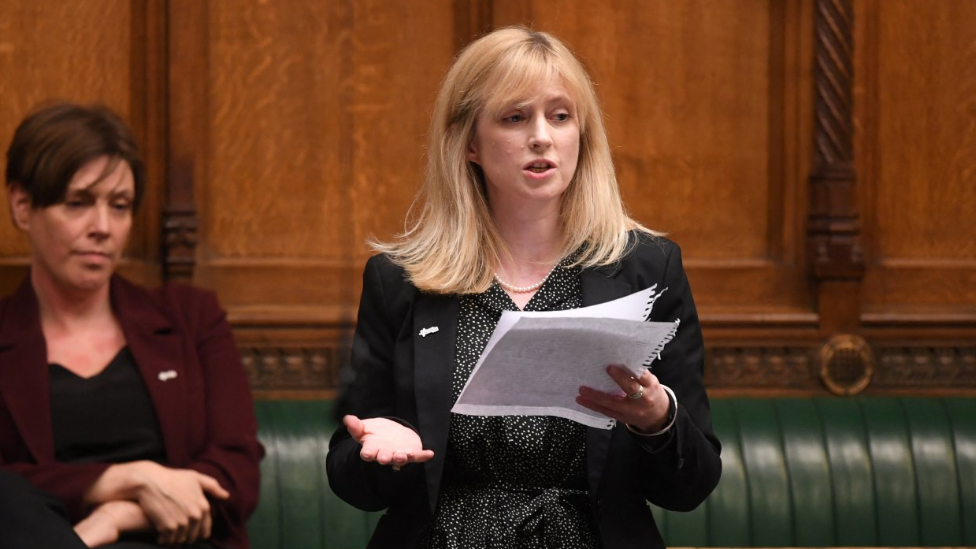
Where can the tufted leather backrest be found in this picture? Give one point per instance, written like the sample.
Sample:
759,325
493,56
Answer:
864,471
297,509
867,471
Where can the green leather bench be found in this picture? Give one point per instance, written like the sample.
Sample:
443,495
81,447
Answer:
863,471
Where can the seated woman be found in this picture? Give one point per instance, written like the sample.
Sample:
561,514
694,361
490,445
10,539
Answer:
127,410
520,211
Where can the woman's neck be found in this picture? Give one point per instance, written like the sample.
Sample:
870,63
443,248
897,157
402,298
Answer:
532,244
67,310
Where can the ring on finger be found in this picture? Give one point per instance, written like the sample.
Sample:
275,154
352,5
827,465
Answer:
638,394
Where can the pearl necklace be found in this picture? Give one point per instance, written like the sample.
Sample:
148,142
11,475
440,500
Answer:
525,289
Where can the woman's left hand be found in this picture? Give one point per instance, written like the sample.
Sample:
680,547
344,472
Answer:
642,402
110,520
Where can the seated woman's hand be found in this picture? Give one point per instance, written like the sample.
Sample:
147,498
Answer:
109,520
387,442
174,500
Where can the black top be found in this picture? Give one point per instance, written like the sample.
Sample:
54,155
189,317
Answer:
108,417
512,482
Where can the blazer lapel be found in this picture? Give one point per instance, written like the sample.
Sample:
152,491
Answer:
24,372
599,286
158,351
433,372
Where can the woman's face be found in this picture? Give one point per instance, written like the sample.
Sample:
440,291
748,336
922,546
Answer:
76,244
529,152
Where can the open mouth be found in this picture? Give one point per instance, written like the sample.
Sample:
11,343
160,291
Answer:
540,166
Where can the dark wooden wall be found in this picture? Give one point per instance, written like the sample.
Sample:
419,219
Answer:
816,160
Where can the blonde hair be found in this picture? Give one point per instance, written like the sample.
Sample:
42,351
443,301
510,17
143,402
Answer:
450,244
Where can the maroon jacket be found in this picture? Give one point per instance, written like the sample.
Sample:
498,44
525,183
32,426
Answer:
205,413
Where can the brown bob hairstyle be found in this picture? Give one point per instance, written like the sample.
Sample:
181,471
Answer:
55,141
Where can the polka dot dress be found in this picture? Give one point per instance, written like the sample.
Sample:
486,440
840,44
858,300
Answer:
512,482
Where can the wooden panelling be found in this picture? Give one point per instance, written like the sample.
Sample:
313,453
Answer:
96,51
707,109
316,122
297,362
917,118
304,363
834,243
281,135
187,159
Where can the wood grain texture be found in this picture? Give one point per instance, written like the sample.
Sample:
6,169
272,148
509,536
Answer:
187,140
317,118
834,223
317,122
147,118
918,124
834,231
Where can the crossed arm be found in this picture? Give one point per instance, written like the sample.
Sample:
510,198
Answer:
143,496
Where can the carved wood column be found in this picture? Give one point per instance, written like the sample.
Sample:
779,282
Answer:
147,118
834,233
186,142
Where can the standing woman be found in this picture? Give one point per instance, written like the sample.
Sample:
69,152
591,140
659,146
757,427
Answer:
125,414
520,210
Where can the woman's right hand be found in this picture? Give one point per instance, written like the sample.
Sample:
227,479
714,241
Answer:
174,500
387,442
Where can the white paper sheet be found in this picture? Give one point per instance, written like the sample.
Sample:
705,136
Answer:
535,362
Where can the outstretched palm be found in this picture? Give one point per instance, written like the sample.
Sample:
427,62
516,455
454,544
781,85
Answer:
387,442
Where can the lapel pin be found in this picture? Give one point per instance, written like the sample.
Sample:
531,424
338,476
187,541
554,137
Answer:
167,375
424,332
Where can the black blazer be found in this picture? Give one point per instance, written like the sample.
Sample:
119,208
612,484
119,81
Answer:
397,373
